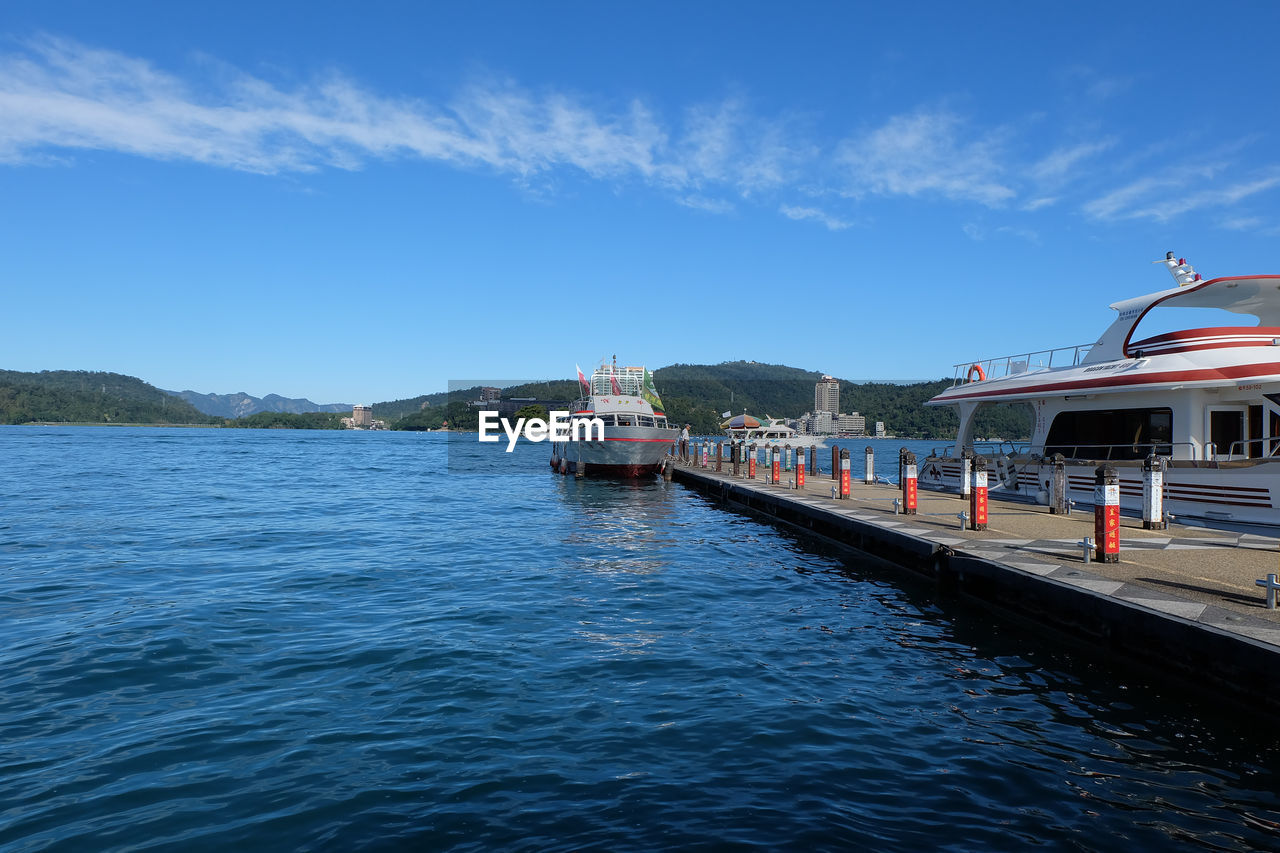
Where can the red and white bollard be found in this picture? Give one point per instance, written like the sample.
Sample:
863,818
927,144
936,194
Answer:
775,467
844,473
1106,515
978,495
706,448
800,469
909,475
751,461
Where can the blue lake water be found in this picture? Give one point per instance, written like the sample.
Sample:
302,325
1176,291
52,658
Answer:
337,641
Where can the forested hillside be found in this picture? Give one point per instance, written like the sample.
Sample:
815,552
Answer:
81,396
699,394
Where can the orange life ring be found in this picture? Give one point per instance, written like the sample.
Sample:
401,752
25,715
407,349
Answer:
977,368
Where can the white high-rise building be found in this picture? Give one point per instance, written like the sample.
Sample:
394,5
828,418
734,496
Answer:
826,396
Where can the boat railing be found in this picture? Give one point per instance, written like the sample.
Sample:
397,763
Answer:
1252,448
1121,452
1096,452
989,449
1011,365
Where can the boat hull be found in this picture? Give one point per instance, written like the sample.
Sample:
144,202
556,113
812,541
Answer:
625,451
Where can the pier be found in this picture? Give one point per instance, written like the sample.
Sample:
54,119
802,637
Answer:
1184,600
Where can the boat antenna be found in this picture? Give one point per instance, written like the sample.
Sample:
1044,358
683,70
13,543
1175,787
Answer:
1183,273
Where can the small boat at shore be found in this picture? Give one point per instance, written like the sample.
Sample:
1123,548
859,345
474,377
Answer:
1205,400
769,432
617,428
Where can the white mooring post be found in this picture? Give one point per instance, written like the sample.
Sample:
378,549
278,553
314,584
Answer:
966,472
1153,493
869,478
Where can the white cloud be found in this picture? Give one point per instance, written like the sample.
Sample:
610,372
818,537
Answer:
1056,166
925,153
710,205
1242,223
1028,234
59,97
1179,190
812,213
978,233
63,95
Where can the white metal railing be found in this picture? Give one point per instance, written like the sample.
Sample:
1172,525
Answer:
1010,365
989,449
1084,452
1253,448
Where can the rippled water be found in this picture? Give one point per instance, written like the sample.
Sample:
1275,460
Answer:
327,641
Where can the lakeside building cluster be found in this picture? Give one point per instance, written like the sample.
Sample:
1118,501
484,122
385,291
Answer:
827,419
362,418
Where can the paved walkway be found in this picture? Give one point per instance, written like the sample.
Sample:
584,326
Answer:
1195,573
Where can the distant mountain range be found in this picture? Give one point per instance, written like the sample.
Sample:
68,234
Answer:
242,405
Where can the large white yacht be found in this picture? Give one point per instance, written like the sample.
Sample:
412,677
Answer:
768,432
636,435
1206,399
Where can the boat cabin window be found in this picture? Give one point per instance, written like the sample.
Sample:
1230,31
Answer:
1111,434
607,420
1244,432
626,420
1226,432
645,420
660,422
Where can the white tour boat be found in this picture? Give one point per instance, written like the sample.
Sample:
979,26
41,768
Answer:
768,432
636,435
1205,399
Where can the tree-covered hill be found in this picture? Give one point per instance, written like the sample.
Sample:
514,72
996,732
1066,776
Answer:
288,420
82,396
699,394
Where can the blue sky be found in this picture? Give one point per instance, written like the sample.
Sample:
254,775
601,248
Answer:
362,202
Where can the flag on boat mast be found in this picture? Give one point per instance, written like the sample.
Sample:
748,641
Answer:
582,380
649,393
617,389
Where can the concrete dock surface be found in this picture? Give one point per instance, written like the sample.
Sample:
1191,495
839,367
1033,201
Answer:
1192,573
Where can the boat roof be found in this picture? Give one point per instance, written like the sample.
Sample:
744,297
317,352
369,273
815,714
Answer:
1114,352
1252,295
